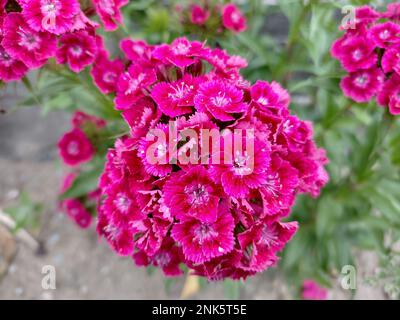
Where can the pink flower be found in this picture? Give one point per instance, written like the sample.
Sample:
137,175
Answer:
385,34
390,88
131,85
75,148
54,16
176,98
106,73
199,15
233,19
136,50
168,258
269,97
279,191
394,104
10,68
393,11
220,99
120,238
203,241
25,44
362,85
358,53
262,241
141,116
391,60
313,291
193,194
155,152
81,119
77,212
180,52
110,12
78,49
248,169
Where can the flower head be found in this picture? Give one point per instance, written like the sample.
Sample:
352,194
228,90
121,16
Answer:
54,16
233,19
75,147
78,49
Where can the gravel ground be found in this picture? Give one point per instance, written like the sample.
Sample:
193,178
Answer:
85,267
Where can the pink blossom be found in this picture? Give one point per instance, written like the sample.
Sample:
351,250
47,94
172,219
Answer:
220,99
199,15
180,52
393,11
176,98
394,104
193,194
81,119
141,116
262,241
54,16
313,291
362,85
78,49
25,44
136,50
106,73
385,34
391,60
390,88
77,212
233,19
10,68
131,85
358,53
247,170
168,258
75,148
110,12
203,241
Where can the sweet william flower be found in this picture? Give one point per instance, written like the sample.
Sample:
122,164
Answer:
77,49
203,241
391,59
362,85
75,148
385,34
220,99
54,16
77,212
181,53
25,44
313,291
218,219
110,12
193,194
233,19
176,98
199,15
10,68
131,84
106,73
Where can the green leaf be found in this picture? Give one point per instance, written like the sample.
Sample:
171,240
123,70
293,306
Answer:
232,289
26,214
86,182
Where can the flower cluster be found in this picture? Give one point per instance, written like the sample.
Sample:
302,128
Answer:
370,53
32,31
75,148
219,219
219,17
